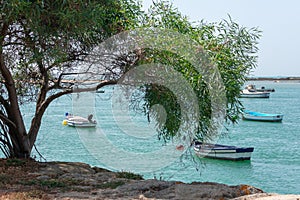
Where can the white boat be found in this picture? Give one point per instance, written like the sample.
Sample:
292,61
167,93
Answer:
254,94
223,152
264,117
262,89
77,121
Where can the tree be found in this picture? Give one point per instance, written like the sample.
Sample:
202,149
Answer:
40,42
230,47
43,42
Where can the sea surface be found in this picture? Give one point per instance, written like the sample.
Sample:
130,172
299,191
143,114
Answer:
274,166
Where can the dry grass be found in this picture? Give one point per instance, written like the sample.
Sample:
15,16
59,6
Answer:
14,174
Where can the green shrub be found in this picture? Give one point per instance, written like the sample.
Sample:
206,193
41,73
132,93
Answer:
129,175
14,162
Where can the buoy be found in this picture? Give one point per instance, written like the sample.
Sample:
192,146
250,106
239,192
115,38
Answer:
180,147
64,122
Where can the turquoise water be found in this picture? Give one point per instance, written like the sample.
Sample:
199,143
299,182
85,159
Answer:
275,162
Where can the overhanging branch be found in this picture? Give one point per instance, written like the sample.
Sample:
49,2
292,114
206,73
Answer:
40,111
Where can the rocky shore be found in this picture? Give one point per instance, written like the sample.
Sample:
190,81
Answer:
23,179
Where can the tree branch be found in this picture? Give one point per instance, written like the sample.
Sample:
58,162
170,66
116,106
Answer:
7,120
78,90
34,128
4,102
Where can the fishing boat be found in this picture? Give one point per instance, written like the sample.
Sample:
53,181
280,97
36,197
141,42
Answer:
264,117
254,94
78,121
224,152
253,88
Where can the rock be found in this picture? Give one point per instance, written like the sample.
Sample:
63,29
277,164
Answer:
98,169
43,178
149,188
155,189
67,180
71,167
265,196
105,177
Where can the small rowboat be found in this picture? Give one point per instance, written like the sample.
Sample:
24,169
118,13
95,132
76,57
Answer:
263,117
223,152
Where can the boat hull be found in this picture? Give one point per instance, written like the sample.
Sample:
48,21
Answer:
255,95
249,94
83,125
223,152
262,117
77,121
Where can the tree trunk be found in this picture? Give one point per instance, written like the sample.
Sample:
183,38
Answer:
17,132
36,124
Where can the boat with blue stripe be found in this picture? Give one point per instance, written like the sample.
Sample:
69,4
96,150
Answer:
224,152
264,117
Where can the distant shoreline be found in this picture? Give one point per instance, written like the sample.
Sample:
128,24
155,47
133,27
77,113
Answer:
273,79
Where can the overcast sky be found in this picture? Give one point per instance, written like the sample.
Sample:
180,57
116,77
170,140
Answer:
279,53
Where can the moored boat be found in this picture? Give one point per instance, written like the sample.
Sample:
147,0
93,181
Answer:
223,152
261,89
264,117
254,94
77,121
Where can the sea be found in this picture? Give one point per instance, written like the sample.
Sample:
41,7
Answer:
129,142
